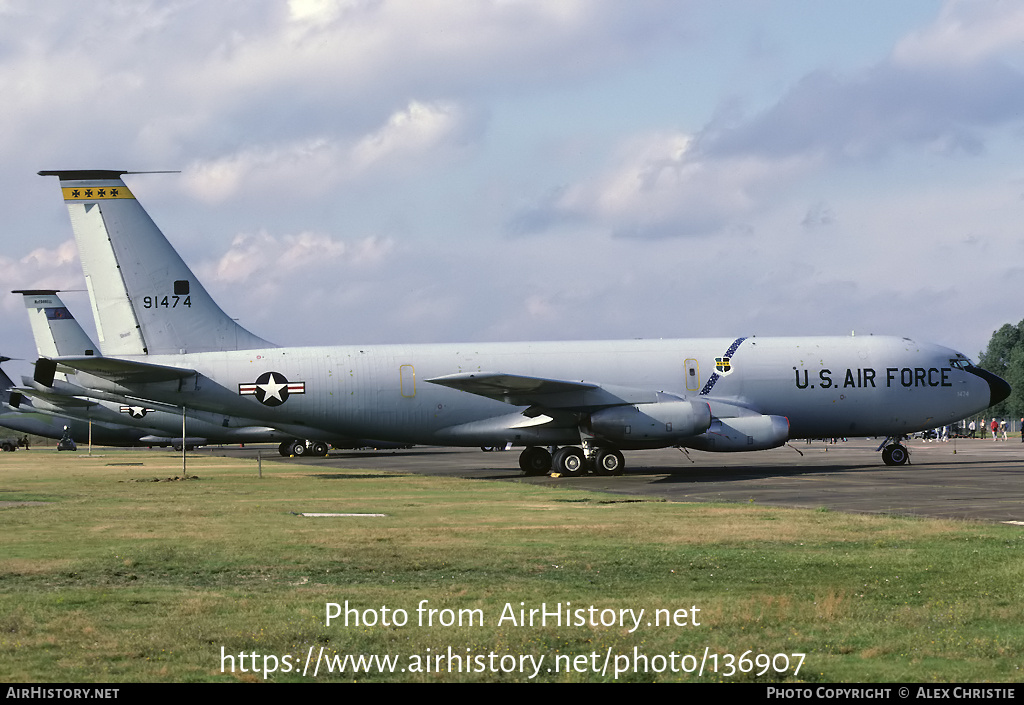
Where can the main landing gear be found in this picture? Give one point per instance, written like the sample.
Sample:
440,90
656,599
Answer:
894,452
571,461
299,448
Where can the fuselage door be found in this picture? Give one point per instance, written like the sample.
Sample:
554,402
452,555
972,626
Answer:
692,375
408,374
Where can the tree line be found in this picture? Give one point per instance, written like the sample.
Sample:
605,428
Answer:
1004,356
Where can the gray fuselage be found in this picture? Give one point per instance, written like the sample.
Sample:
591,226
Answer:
825,386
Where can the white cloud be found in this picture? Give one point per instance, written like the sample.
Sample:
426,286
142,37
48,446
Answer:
722,177
966,32
416,137
276,74
315,12
283,166
419,129
261,258
42,268
662,187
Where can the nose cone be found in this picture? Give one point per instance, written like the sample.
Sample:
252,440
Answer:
999,389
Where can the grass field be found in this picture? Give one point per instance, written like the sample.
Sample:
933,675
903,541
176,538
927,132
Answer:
108,576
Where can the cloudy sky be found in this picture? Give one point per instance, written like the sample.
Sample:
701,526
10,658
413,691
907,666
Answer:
365,171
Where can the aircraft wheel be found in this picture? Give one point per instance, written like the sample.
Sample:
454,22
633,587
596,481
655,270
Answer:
285,449
320,448
897,454
535,461
569,461
609,462
298,448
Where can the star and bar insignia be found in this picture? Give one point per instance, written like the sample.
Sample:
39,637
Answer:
272,388
136,412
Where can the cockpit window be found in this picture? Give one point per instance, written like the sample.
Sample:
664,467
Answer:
960,362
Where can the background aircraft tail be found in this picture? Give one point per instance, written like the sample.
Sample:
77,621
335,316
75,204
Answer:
7,394
55,330
5,382
145,298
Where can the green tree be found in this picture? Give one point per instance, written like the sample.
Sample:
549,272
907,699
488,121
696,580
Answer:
1004,356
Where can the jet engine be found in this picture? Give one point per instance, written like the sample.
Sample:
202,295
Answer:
651,425
742,433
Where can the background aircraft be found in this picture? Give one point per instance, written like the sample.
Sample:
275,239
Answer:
28,416
165,339
57,333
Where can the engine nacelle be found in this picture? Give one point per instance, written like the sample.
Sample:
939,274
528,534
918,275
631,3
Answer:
651,425
742,433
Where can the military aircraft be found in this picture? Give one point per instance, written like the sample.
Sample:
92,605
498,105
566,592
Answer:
163,338
38,418
57,333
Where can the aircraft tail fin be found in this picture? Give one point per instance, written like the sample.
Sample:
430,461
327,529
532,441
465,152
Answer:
7,393
55,330
6,382
145,298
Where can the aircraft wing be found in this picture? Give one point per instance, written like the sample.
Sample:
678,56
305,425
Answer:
111,368
502,386
522,390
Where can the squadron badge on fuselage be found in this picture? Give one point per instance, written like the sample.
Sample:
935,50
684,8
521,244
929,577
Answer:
722,365
272,388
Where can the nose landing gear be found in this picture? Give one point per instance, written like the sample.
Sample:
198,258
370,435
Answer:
894,452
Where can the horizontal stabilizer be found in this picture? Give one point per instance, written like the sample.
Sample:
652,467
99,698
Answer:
57,399
59,389
117,370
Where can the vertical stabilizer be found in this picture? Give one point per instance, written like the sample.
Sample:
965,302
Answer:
145,298
5,382
55,330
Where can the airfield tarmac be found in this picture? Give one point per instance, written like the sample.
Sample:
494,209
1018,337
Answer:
962,479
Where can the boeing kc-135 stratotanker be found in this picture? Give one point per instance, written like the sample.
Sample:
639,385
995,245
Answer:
163,338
